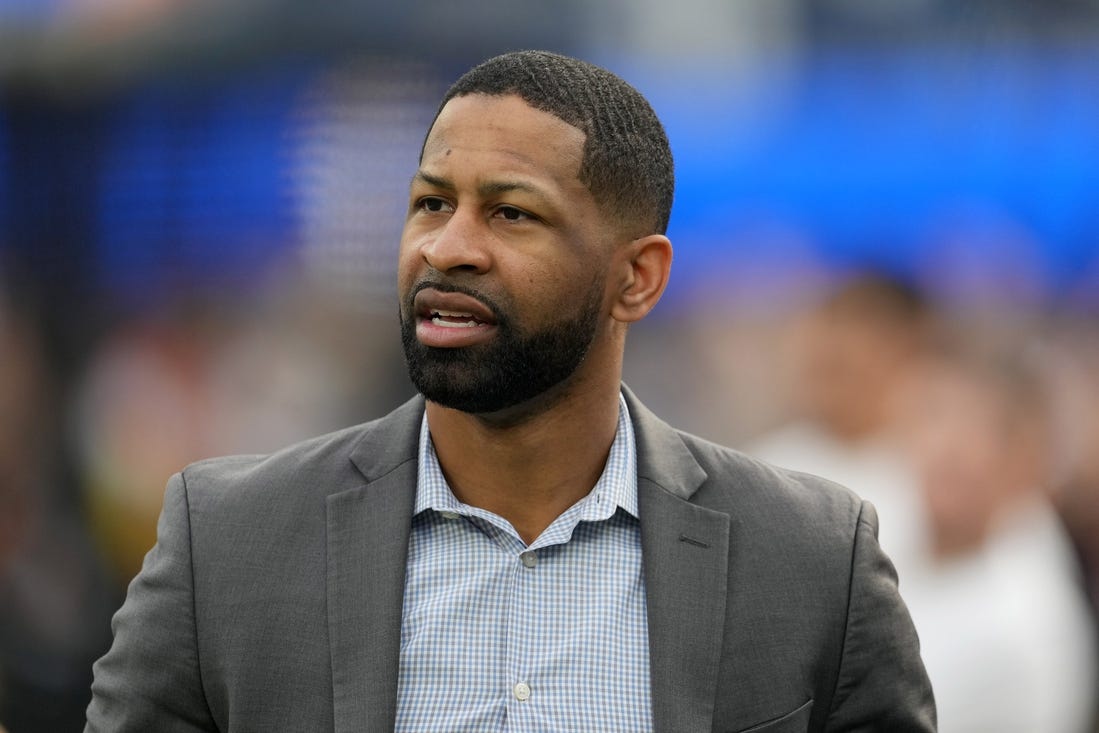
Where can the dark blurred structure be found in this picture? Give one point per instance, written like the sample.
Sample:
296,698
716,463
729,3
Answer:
1075,485
200,204
54,594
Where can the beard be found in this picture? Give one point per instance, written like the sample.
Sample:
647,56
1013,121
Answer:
511,369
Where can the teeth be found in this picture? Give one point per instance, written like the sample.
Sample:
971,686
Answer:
438,316
438,321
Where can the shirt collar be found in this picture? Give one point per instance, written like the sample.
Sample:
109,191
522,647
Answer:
616,487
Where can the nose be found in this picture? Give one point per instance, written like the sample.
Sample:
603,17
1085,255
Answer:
459,244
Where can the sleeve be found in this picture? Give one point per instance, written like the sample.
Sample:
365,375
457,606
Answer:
882,684
149,680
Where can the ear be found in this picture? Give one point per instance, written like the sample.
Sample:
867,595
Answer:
643,267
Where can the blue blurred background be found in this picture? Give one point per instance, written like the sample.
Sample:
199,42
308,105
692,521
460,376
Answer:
152,145
200,204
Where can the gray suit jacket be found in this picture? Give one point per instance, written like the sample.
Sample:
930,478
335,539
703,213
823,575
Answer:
272,599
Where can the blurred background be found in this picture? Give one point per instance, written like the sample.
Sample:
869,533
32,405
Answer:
887,272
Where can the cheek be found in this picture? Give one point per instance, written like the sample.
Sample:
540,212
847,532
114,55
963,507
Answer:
407,275
549,293
407,259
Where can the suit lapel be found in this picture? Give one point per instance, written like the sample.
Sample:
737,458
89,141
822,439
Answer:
368,531
685,549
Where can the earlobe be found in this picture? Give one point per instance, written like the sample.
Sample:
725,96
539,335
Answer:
646,265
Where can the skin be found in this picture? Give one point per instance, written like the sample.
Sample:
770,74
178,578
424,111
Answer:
497,206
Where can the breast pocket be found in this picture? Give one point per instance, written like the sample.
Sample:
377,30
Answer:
795,721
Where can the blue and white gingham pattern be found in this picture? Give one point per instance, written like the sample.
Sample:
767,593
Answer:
499,636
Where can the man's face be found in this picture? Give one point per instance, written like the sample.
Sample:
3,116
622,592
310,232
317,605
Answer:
502,271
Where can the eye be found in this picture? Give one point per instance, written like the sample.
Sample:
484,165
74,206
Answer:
433,204
510,213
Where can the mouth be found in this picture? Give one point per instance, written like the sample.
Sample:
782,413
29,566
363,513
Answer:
447,319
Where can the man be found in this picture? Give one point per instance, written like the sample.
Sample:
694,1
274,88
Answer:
1007,632
529,549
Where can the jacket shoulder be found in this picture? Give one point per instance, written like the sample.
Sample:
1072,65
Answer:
243,469
304,471
771,499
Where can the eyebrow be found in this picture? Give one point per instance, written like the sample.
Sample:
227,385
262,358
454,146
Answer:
488,188
431,180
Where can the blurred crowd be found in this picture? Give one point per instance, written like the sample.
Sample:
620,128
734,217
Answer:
83,464
972,427
970,424
975,437
972,430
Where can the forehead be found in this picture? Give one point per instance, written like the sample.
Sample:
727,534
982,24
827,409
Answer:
508,129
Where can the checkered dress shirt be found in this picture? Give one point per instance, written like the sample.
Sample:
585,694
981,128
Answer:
500,636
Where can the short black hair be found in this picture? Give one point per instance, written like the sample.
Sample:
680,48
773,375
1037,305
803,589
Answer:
627,162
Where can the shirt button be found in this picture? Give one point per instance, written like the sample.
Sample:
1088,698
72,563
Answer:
529,560
521,691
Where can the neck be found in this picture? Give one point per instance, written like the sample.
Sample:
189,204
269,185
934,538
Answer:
532,464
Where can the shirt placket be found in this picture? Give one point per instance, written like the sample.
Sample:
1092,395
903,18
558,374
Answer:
527,631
